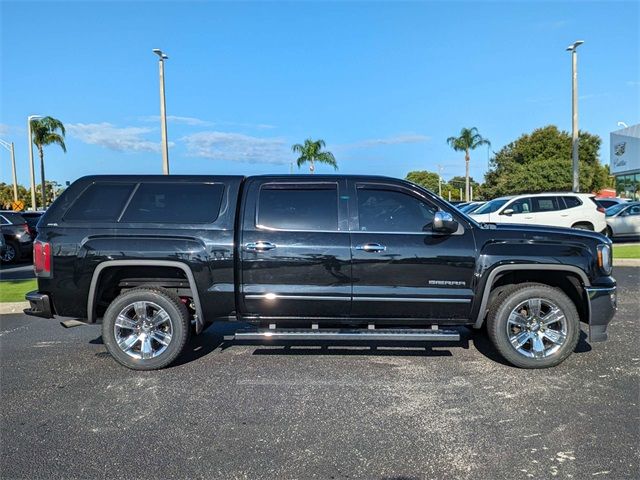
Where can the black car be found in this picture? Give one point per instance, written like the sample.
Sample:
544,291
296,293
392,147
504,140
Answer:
17,236
32,219
310,257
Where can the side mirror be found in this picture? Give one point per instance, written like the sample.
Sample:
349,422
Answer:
443,222
508,211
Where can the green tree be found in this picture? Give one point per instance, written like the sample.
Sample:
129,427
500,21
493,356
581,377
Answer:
541,162
469,139
428,180
46,131
311,152
6,195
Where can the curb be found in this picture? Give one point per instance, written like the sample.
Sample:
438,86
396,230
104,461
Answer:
626,262
13,307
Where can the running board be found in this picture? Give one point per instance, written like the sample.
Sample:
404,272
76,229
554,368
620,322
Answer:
379,334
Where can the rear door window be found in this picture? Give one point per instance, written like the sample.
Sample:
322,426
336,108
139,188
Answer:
572,202
175,203
298,207
100,202
544,204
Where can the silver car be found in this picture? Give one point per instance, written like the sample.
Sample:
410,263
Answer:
623,220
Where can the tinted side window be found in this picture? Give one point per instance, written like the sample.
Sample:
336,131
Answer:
175,203
522,205
100,202
393,211
544,204
571,202
298,207
633,210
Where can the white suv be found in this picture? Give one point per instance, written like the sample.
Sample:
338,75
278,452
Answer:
574,210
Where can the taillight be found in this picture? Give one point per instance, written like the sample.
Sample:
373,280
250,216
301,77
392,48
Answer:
42,258
25,227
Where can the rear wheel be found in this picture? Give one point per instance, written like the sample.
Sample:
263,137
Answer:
534,325
582,226
145,328
609,232
11,253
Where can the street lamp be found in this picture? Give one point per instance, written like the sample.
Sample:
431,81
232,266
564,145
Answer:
163,112
34,205
573,48
9,146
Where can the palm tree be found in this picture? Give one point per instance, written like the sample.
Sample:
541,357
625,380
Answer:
312,152
469,139
44,132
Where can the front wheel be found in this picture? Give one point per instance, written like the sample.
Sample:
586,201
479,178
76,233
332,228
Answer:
11,253
534,325
145,328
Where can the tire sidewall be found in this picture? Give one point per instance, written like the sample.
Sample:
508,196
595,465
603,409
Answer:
498,325
179,325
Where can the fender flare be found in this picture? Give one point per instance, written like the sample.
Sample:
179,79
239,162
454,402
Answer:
91,316
515,267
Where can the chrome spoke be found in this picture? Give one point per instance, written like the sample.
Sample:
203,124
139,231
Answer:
535,305
555,315
554,336
520,339
147,349
161,337
127,343
141,310
517,319
159,318
537,346
125,322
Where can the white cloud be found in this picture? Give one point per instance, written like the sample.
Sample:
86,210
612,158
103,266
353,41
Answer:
237,147
633,83
122,139
393,140
197,122
11,130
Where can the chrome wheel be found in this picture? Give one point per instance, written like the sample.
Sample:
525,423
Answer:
537,328
143,330
9,254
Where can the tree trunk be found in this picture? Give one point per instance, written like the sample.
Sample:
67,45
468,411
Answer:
466,178
312,167
43,185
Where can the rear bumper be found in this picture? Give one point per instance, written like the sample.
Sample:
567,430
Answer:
603,304
40,305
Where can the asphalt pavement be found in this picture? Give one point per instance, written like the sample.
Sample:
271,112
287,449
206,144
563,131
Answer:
260,412
20,271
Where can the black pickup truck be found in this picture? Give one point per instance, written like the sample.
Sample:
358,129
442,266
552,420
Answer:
310,257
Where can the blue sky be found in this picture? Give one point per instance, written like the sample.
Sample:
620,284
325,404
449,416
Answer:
383,83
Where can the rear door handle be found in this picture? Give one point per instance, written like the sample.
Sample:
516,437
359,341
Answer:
259,246
371,247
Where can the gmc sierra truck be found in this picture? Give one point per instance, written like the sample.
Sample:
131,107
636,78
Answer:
303,257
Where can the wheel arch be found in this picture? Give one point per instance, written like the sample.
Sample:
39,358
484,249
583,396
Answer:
100,269
531,272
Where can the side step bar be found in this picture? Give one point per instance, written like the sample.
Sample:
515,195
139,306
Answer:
382,334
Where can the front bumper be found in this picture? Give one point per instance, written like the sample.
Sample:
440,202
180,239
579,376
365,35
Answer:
603,304
40,305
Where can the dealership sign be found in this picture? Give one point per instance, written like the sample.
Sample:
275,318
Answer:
625,150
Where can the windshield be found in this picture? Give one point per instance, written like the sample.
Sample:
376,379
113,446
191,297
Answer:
491,206
614,209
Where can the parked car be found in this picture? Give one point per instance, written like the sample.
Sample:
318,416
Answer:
18,239
310,257
471,207
623,220
574,210
3,246
32,220
606,202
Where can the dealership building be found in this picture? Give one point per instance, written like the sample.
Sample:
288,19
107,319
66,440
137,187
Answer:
625,161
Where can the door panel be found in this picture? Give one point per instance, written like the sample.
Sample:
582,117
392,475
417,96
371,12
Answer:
295,250
408,273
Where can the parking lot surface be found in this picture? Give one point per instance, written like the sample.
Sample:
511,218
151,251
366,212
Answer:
254,411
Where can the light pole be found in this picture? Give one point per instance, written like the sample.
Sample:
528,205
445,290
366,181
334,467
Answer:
34,204
9,146
573,48
163,112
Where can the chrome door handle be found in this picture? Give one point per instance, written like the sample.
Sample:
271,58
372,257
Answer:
371,247
259,246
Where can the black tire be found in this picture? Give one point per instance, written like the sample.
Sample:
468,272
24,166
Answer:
511,298
11,253
609,232
582,226
176,325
